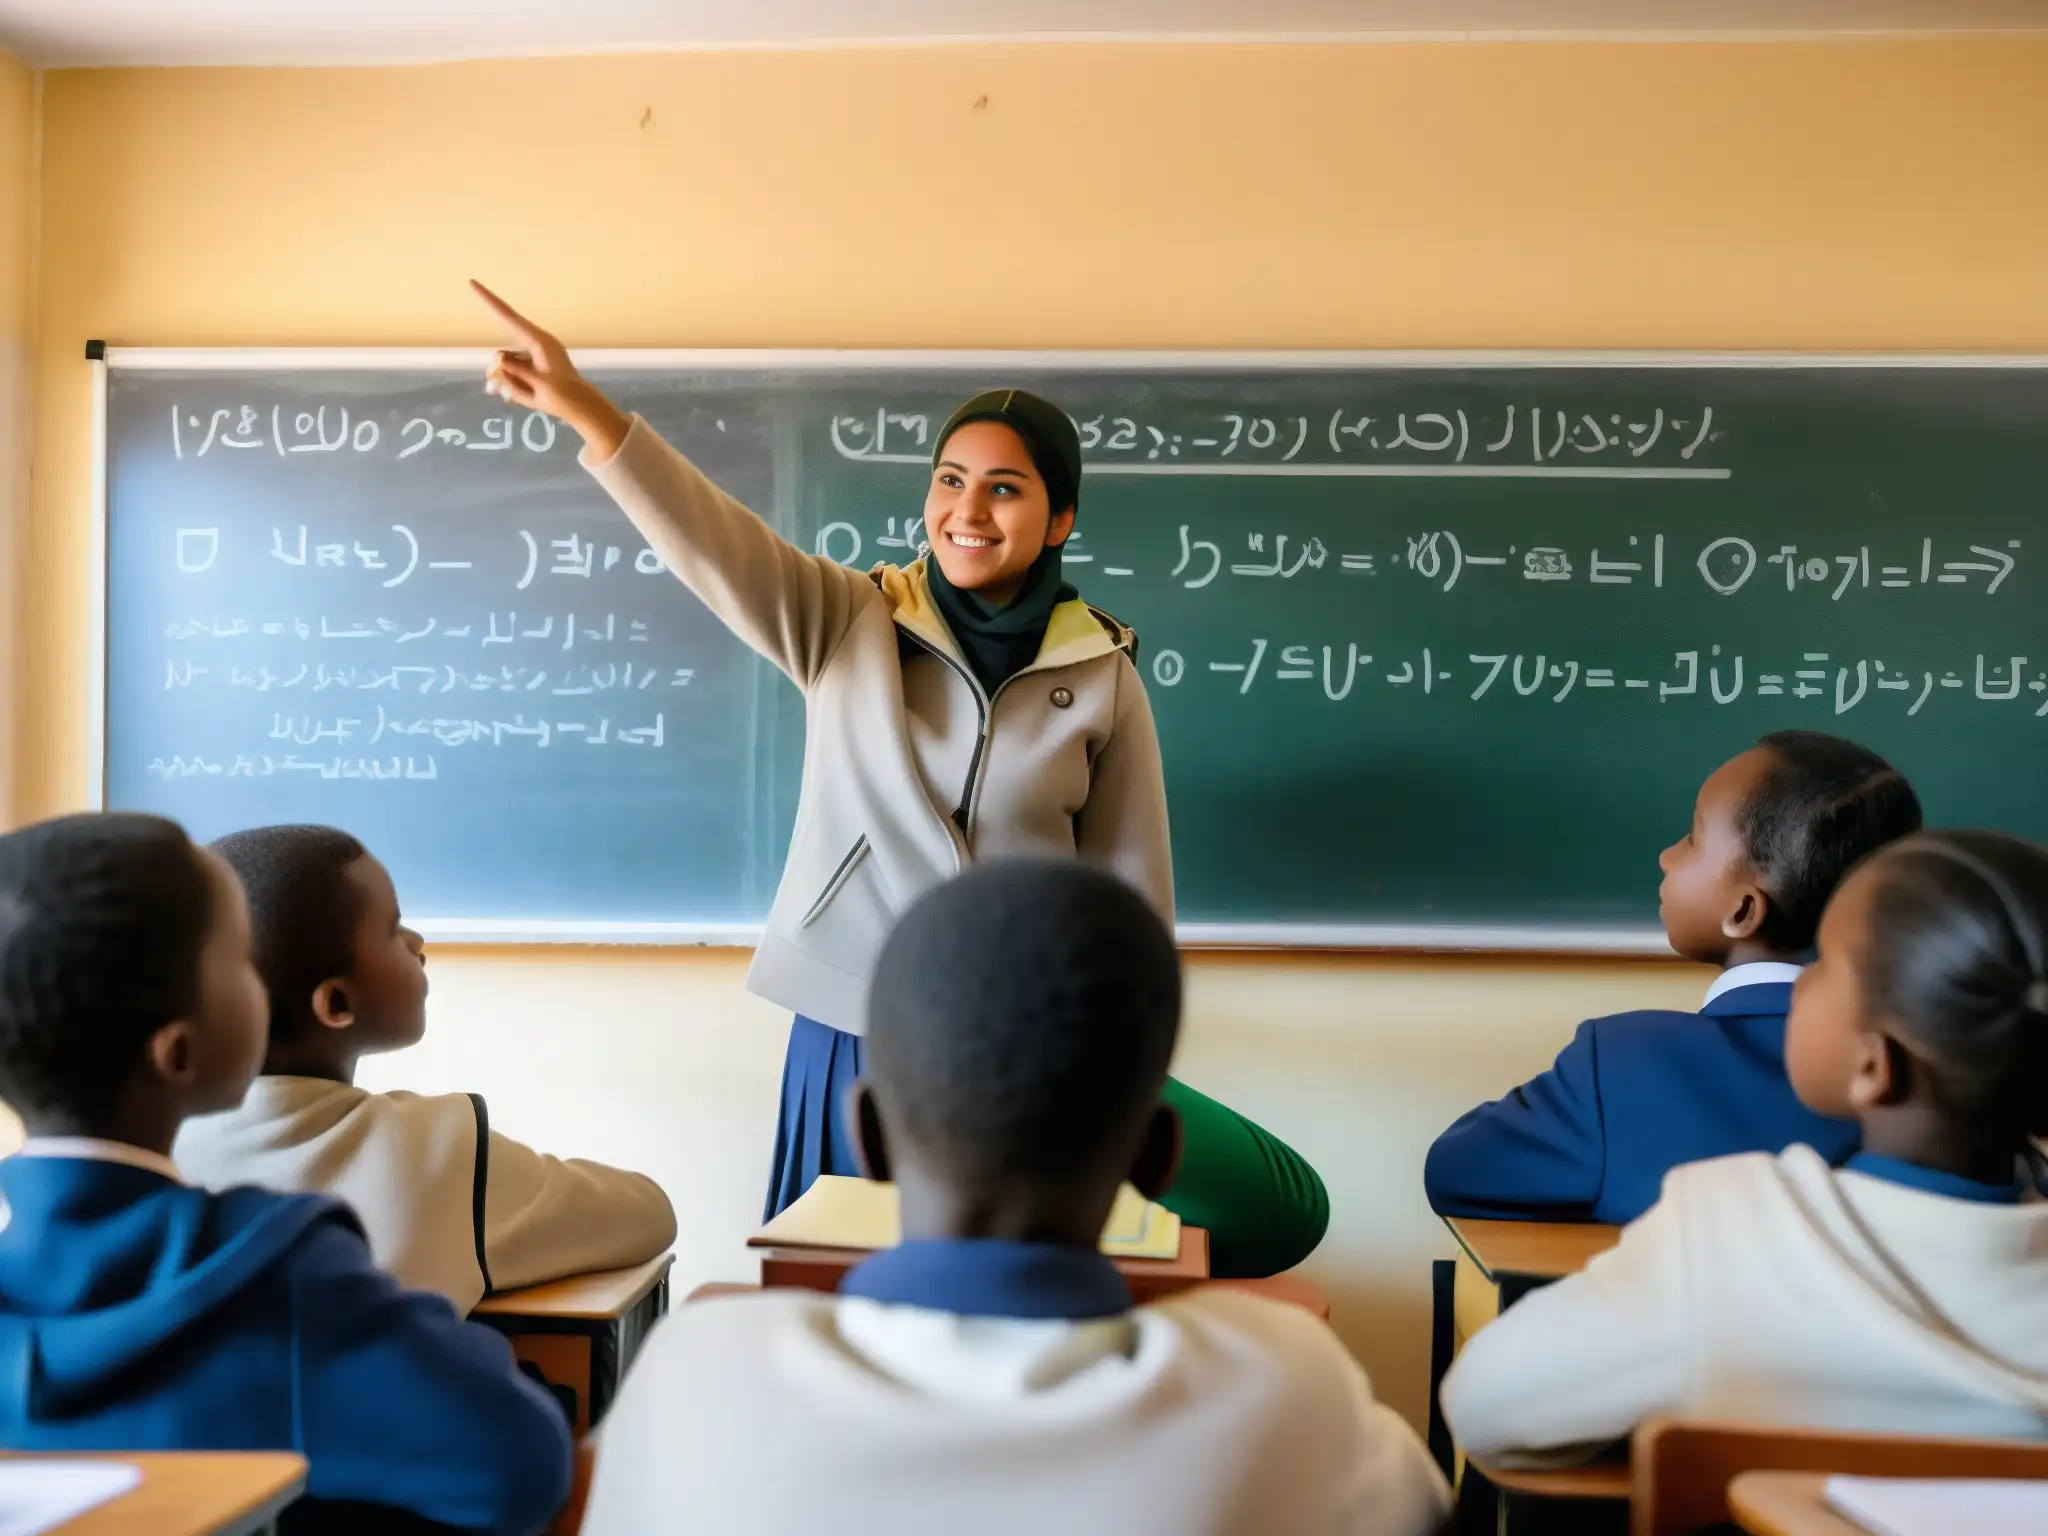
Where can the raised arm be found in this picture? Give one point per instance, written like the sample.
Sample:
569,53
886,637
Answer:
791,606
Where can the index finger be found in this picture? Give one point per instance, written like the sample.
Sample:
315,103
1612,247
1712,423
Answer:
533,334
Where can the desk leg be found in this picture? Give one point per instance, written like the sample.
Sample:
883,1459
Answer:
1443,1342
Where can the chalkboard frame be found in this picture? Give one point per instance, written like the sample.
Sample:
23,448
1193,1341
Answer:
1396,937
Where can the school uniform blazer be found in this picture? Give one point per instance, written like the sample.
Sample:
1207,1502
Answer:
1631,1098
449,1205
911,770
1778,1290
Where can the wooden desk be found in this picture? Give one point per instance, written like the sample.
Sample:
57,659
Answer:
1533,1251
1290,1288
822,1269
1498,1263
1787,1504
191,1493
1600,1480
582,1333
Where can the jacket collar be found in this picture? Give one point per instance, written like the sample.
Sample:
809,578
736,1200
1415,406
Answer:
1076,633
94,1149
1766,999
987,1277
1755,973
1896,1170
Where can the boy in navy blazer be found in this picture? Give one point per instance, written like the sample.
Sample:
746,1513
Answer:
1635,1095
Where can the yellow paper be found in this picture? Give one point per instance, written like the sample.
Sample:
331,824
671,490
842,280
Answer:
838,1212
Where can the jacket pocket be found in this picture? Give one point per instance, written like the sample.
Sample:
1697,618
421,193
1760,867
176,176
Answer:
840,876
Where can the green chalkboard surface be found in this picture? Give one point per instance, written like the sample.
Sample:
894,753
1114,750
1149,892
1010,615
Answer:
1440,648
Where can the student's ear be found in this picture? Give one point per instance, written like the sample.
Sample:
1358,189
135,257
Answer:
331,1006
1158,1158
870,1142
1884,1072
170,1053
1061,526
1745,919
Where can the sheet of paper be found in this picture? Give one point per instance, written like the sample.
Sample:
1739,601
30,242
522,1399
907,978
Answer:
839,1212
37,1496
1895,1506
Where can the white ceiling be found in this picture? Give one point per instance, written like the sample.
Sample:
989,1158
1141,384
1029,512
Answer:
66,32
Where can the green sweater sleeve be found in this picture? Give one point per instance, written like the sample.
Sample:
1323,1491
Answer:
1263,1205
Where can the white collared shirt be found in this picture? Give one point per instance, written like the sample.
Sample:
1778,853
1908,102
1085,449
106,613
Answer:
96,1149
1757,973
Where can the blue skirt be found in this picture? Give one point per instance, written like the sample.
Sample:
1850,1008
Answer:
813,1133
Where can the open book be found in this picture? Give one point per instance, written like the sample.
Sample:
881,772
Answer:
838,1212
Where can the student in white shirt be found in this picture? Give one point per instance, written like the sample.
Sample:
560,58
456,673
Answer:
449,1204
1906,1292
991,1374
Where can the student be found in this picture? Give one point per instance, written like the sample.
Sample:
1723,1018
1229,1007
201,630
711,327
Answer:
140,1314
449,1204
1906,1293
991,1374
1635,1095
968,705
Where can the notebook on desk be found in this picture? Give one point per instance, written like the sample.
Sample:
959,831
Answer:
38,1496
1892,1506
838,1212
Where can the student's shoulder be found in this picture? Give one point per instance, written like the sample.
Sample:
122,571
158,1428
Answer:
1744,1184
426,1117
264,1229
1249,1326
727,1337
1640,1032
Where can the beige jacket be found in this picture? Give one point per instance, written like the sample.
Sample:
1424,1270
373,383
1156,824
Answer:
911,771
1212,1414
1778,1290
449,1204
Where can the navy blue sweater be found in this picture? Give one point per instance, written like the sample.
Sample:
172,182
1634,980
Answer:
137,1314
1631,1098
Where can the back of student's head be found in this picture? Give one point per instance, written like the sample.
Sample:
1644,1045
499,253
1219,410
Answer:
1022,1021
1823,806
1957,956
103,922
303,911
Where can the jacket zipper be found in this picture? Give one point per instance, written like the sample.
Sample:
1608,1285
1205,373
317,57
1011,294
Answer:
963,813
839,878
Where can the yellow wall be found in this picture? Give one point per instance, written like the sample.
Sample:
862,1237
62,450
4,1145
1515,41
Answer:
1853,194
17,317
17,287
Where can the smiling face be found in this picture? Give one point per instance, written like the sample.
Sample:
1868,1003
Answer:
987,513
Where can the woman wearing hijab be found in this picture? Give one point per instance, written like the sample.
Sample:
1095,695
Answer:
967,706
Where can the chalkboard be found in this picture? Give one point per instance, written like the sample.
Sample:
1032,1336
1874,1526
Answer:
1440,647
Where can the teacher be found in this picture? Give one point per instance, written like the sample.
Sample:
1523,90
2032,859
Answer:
967,706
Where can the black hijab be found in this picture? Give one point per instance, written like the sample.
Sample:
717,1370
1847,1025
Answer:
999,640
